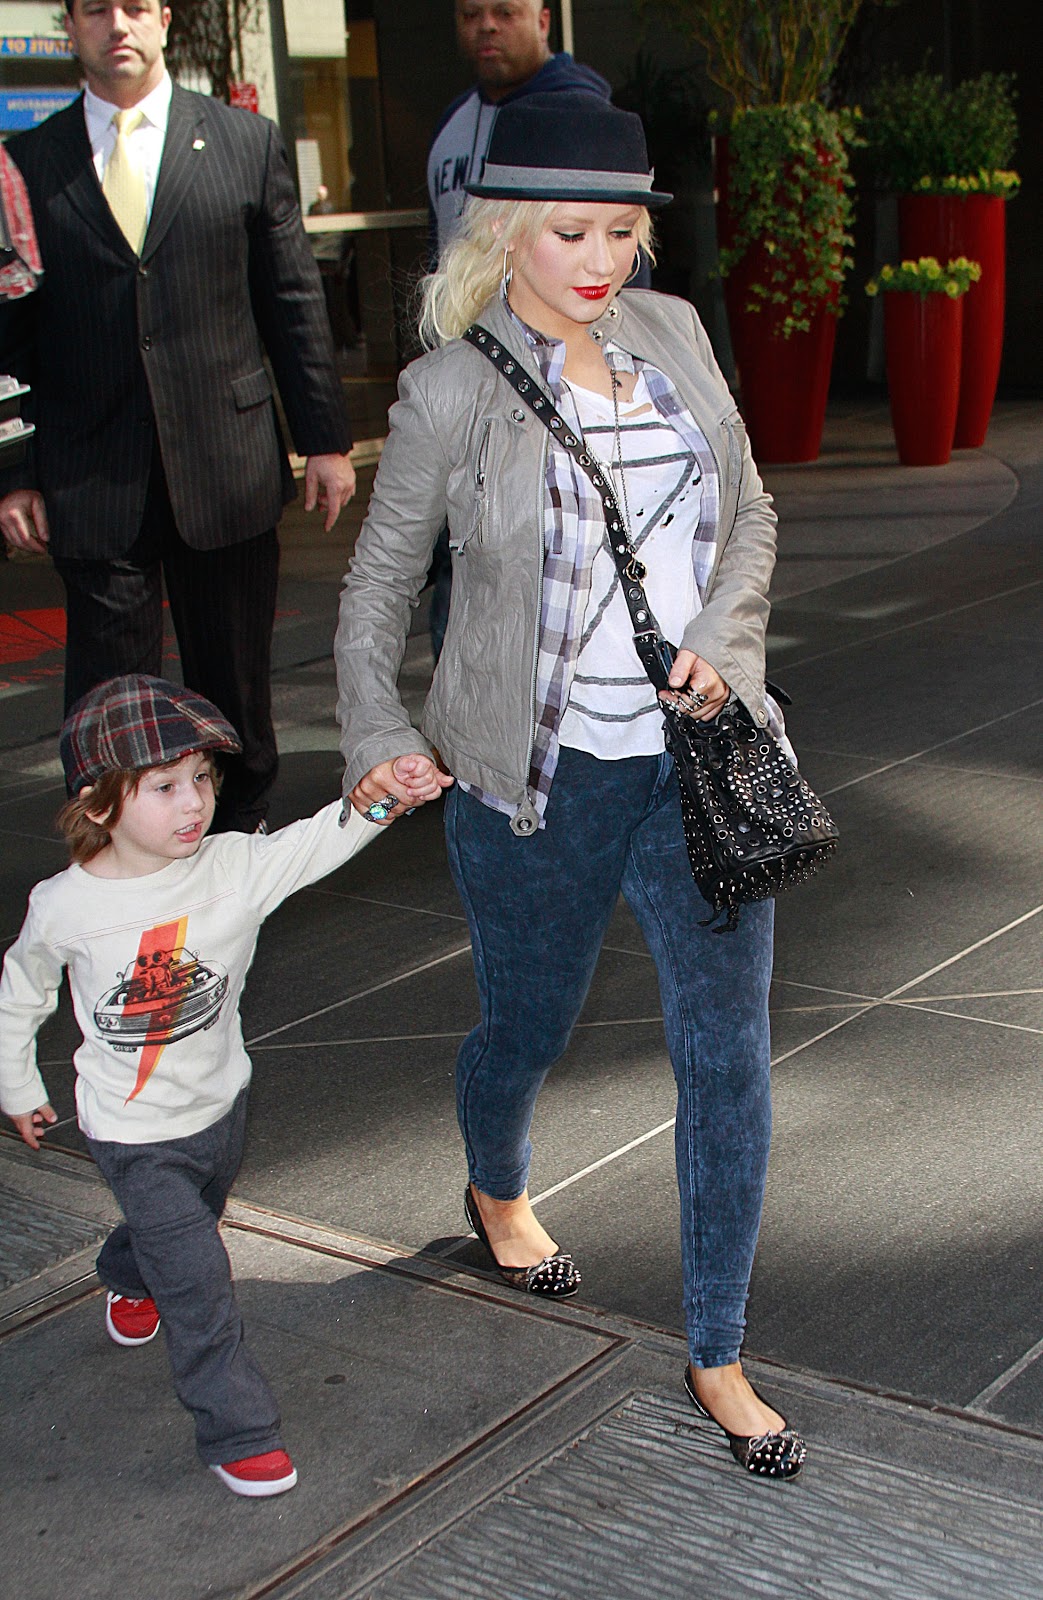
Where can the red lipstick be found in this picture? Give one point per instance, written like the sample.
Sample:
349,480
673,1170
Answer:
596,291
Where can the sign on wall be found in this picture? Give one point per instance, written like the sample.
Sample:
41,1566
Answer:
34,48
24,108
315,28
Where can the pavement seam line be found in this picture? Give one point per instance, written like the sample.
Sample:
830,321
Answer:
981,1401
960,1016
918,755
979,944
594,1166
361,994
873,1005
904,627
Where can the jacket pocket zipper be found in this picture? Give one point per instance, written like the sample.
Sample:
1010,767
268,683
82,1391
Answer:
481,496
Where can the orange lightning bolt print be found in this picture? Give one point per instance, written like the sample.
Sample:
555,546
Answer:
158,988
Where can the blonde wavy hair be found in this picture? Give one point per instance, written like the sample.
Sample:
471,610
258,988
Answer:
471,267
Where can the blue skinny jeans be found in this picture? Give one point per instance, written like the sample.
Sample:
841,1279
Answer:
538,909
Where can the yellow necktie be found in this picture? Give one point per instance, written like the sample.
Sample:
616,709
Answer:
124,182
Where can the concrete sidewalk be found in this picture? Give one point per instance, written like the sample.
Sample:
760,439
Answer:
455,1440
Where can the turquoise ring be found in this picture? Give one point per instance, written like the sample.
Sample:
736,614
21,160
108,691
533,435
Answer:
380,810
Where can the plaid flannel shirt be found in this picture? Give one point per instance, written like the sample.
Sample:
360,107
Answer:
574,528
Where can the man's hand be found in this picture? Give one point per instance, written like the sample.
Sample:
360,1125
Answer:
23,520
30,1124
414,780
329,482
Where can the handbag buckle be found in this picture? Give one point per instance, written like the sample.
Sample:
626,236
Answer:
635,570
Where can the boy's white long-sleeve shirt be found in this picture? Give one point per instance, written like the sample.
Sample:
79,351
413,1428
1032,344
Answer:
156,968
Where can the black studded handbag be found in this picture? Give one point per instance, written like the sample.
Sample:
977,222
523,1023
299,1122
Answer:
752,824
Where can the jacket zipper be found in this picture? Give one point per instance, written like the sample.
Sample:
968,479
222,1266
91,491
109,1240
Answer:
480,478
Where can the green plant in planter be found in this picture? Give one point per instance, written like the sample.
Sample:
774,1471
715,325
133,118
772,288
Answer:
766,52
788,172
789,193
926,276
926,139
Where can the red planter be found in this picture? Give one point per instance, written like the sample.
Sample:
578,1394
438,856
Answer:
974,226
922,334
785,382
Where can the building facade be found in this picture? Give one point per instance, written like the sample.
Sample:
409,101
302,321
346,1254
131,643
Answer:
358,86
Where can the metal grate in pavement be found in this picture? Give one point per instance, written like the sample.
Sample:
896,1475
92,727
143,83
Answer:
650,1503
34,1236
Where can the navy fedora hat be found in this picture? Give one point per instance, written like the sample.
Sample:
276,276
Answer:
567,147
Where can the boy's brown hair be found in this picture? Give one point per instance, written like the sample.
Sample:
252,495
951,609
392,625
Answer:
87,820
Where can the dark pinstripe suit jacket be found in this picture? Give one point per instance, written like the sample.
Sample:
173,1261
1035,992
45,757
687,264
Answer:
114,346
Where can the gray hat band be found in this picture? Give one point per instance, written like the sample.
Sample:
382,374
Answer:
566,179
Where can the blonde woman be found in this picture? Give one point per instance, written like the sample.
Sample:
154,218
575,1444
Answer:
540,710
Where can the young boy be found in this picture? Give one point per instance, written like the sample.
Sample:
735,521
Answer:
157,927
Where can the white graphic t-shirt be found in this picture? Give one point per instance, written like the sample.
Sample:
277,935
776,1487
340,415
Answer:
156,968
612,709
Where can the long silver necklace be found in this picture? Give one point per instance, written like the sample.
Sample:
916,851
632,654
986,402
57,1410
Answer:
616,386
688,700
617,465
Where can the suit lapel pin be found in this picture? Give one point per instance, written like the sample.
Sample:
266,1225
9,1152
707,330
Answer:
198,144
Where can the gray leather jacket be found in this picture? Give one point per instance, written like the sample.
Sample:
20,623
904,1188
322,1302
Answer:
463,449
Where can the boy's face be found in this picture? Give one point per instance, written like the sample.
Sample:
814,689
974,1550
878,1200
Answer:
165,818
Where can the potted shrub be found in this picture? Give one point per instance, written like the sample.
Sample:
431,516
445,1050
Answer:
783,203
946,153
923,317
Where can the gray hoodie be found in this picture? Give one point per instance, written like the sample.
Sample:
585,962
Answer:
462,138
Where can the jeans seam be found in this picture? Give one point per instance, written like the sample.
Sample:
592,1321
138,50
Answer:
478,958
693,1178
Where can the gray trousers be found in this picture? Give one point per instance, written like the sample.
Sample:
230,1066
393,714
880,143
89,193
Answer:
172,1194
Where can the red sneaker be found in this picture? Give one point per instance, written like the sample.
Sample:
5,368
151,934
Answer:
131,1321
272,1473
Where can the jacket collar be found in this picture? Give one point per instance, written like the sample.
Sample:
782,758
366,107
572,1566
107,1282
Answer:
635,322
183,151
74,162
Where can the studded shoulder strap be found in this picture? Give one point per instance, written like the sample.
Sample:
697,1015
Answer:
655,653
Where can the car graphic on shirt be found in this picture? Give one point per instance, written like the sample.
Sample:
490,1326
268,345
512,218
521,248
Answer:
162,996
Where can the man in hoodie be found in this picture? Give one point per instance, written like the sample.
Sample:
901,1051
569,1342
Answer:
505,42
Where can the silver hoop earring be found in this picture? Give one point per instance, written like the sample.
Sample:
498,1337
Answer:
635,269
506,275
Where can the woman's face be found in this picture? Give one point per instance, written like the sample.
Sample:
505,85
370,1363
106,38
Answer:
576,267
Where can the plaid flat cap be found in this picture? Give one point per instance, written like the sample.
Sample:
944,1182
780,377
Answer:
134,722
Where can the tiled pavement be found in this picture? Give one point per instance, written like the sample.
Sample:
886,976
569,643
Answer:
454,1440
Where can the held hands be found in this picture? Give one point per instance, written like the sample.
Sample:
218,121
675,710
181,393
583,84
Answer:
30,1124
329,482
700,691
412,780
23,521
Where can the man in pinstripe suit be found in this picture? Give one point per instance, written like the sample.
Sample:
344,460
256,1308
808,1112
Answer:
174,258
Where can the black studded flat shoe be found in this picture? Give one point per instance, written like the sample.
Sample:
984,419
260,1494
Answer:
766,1455
555,1275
